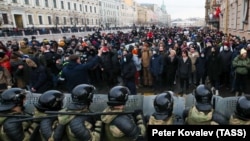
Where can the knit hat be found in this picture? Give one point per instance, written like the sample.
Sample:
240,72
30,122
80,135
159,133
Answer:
242,51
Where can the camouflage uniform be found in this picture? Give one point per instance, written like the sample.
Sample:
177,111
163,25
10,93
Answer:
113,130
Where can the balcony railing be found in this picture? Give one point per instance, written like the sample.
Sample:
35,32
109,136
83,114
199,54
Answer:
213,20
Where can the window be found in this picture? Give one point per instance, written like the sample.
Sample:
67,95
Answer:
64,20
46,3
26,2
54,2
49,20
30,19
69,5
95,9
86,8
82,21
40,19
37,3
71,21
75,6
76,21
96,21
90,9
57,20
62,5
80,7
87,21
14,1
5,19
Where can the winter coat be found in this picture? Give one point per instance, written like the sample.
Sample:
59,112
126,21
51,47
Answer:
214,66
171,65
184,68
137,62
76,74
201,65
241,65
156,65
128,69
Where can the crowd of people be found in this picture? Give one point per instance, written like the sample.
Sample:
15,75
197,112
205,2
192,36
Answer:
156,58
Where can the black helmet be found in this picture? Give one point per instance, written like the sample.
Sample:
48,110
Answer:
203,97
81,95
12,97
243,107
118,95
51,100
164,102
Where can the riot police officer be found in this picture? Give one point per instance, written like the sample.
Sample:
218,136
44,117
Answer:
241,115
12,101
202,112
121,127
163,115
51,100
81,128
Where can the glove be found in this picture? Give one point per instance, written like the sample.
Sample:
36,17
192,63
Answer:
98,126
137,112
96,134
140,121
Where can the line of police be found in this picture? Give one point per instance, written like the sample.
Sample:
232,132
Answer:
103,127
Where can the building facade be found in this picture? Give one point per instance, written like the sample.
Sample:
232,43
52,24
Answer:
212,17
235,17
129,12
79,13
48,13
146,16
110,12
155,14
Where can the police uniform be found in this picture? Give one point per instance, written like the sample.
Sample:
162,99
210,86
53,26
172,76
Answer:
202,113
12,99
163,115
47,128
81,128
121,127
241,116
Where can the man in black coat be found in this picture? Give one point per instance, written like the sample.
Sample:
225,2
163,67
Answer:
76,73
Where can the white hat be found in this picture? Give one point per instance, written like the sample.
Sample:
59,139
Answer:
242,51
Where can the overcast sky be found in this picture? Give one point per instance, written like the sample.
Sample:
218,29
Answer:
181,8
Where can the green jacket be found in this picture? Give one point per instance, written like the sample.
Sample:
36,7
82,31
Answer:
241,65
